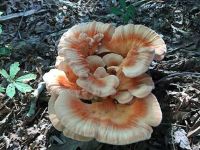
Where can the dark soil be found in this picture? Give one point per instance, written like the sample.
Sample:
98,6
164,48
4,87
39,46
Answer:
33,42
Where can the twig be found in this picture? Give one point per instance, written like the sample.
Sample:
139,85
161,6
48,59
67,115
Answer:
6,118
171,124
4,104
195,74
180,31
19,26
57,140
137,3
42,114
181,47
20,14
35,94
194,130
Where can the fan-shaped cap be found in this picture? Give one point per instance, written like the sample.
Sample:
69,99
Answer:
76,61
140,86
123,97
112,59
52,115
56,79
91,29
137,61
58,125
81,41
94,62
107,121
61,64
101,87
132,36
86,36
100,72
69,133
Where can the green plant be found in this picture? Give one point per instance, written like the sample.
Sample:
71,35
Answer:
2,89
5,50
124,11
16,82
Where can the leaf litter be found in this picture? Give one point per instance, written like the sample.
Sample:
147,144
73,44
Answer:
32,30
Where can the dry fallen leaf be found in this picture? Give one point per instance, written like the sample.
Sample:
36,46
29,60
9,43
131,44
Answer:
181,139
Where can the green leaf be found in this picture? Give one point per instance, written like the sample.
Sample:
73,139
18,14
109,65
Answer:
22,87
4,50
126,18
122,4
10,90
130,11
4,73
116,11
26,78
14,69
2,89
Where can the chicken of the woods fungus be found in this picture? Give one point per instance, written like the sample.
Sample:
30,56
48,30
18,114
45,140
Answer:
99,89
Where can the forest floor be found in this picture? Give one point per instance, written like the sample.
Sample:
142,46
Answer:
31,31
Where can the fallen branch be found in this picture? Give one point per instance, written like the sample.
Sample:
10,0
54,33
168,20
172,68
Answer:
35,94
194,74
20,14
181,47
6,118
171,124
194,130
185,33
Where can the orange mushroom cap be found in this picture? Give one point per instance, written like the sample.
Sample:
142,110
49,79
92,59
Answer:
61,64
101,87
101,63
94,62
137,61
123,97
81,41
132,36
56,80
135,42
140,86
107,121
100,72
58,125
76,62
52,115
112,59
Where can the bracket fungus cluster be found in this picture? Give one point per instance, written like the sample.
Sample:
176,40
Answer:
99,89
